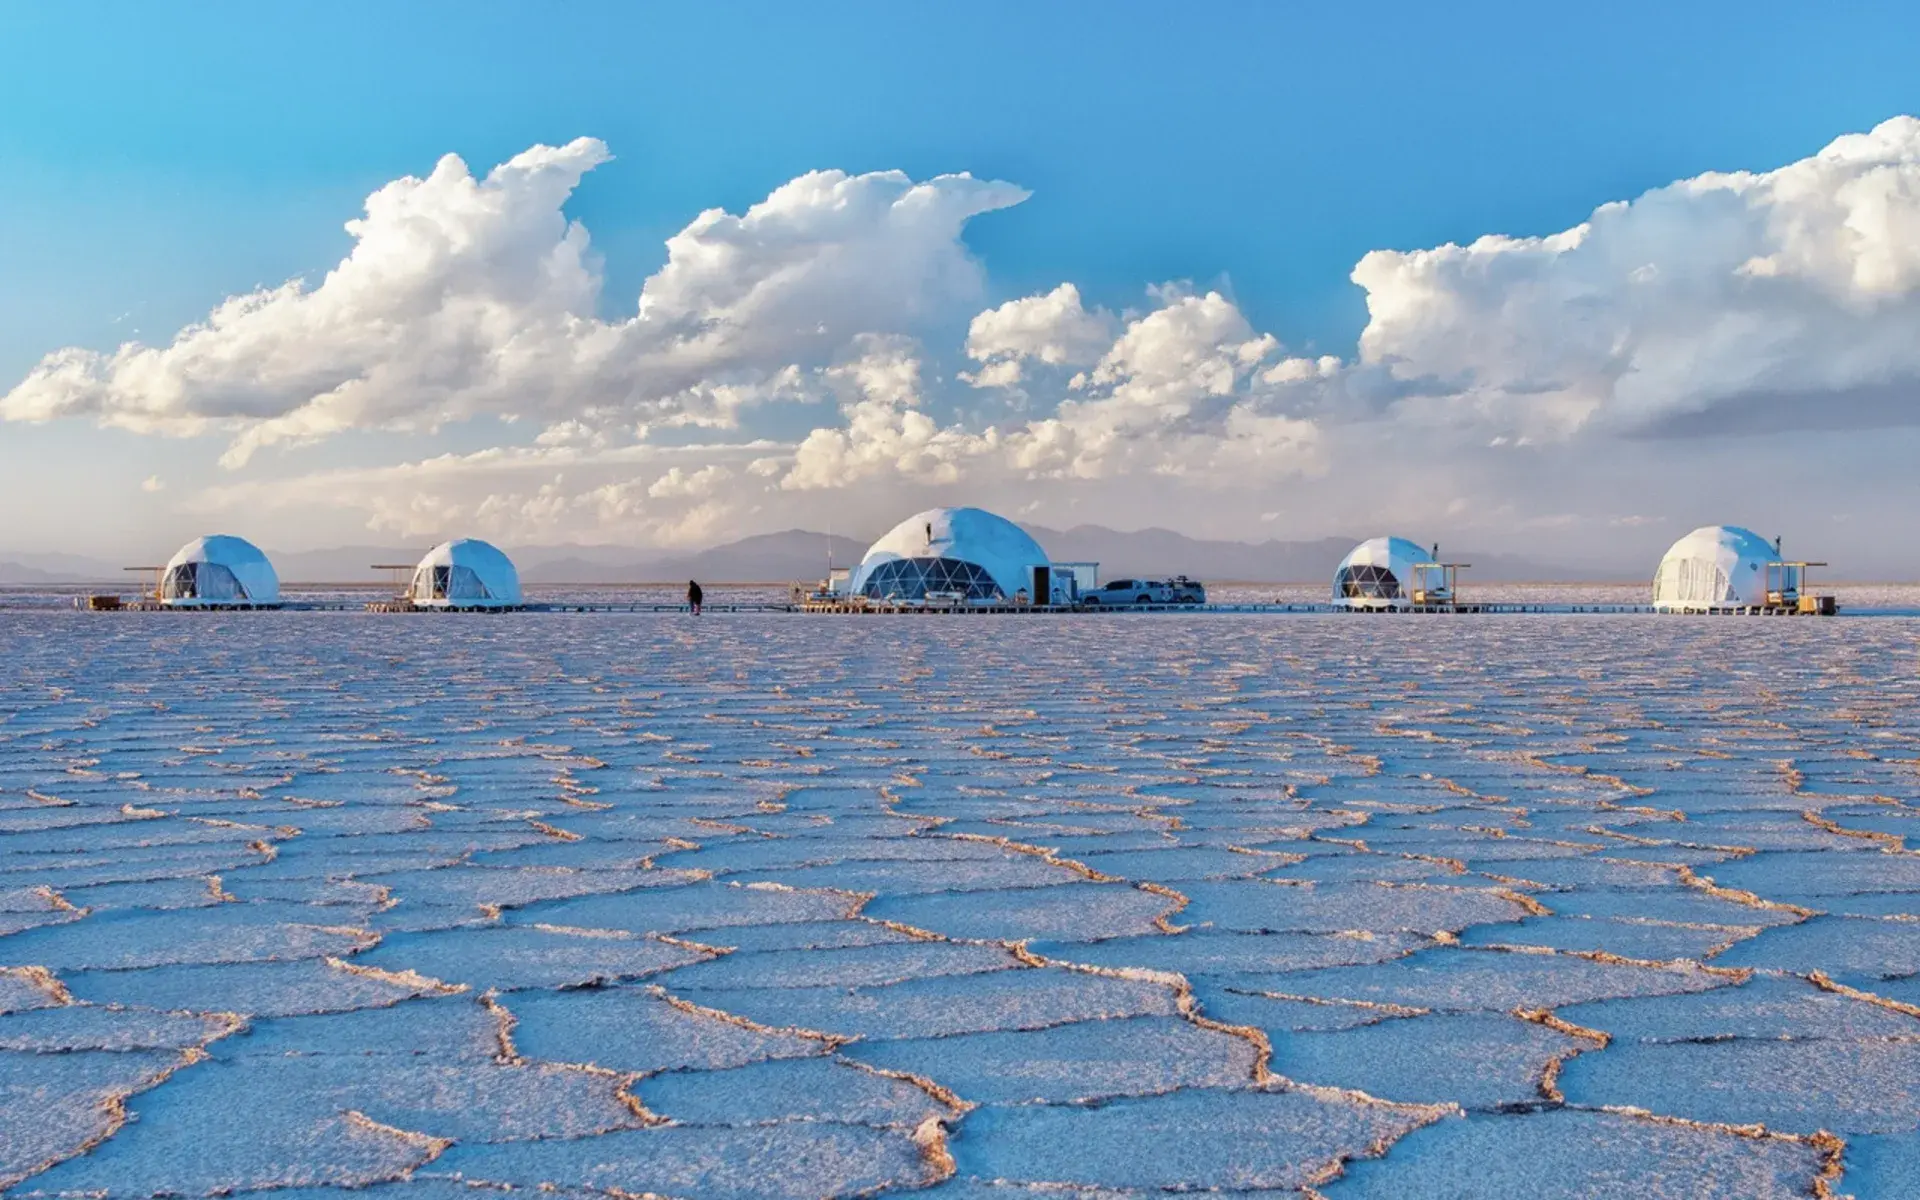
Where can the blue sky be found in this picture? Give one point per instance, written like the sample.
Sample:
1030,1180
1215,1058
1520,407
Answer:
154,160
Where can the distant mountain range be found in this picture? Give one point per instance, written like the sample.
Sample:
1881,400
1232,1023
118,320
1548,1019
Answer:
20,575
798,554
764,558
31,570
1164,552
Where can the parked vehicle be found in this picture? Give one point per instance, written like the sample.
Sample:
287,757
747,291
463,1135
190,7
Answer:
1124,592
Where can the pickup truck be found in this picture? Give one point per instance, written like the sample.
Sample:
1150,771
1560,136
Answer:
1123,592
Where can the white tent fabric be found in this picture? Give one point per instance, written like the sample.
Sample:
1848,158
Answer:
465,573
1715,566
953,550
1379,573
219,572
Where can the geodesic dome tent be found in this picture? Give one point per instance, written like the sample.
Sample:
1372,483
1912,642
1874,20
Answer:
219,572
1379,573
1715,566
465,573
964,552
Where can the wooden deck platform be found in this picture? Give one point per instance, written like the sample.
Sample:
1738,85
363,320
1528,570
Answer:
1115,610
403,606
983,610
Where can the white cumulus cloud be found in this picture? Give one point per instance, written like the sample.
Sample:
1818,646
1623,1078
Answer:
1177,392
805,346
466,296
1722,303
1055,329
886,431
680,483
516,494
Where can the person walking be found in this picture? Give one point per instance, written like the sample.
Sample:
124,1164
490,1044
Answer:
694,597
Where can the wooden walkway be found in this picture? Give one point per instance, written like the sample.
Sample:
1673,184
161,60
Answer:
1328,609
982,610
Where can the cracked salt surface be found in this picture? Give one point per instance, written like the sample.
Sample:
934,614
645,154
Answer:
769,907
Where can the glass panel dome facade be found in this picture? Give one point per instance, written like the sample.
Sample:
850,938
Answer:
442,582
219,571
1367,582
955,552
1381,572
465,573
913,578
201,581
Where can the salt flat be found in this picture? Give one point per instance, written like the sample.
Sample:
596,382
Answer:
767,906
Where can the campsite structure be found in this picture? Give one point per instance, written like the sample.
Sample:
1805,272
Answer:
463,575
218,571
968,560
1395,574
957,558
1725,568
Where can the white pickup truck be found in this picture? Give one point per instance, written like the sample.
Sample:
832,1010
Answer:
1124,592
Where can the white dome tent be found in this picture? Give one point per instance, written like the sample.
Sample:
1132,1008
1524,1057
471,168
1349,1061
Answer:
1380,572
465,573
1716,567
219,572
956,554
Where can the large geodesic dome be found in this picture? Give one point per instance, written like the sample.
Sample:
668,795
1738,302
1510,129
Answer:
219,572
964,552
465,573
1715,566
1379,573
